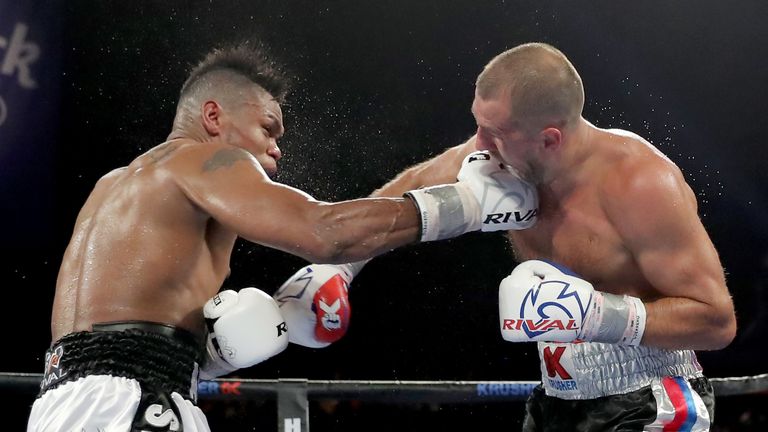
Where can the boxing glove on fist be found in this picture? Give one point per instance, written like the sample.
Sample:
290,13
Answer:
488,196
315,303
507,202
543,302
244,328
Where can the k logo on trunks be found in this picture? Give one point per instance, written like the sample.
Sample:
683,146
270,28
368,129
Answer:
552,301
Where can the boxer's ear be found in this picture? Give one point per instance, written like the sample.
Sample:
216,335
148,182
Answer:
552,138
211,117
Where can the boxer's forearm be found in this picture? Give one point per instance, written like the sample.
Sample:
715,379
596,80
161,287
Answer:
441,169
680,323
410,179
352,230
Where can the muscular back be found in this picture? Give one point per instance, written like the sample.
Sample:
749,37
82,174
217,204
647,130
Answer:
141,250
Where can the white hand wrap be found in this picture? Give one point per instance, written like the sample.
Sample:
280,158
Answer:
244,328
489,196
539,302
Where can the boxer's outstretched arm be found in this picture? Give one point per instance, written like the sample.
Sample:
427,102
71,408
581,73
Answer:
441,169
228,184
655,213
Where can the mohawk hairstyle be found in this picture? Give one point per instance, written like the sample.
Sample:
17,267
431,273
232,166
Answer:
246,59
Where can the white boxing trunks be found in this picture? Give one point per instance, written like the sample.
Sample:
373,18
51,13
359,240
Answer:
122,376
99,403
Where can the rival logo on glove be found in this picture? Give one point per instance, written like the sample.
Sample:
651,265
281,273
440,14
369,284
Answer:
499,218
551,302
542,325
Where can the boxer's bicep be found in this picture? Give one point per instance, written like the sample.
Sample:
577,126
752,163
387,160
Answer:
229,185
658,221
441,169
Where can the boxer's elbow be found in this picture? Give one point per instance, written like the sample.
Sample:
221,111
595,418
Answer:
721,329
726,333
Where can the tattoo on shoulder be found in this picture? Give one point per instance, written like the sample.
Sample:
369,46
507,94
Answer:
225,158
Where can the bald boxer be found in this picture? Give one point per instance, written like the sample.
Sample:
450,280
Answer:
137,316
618,280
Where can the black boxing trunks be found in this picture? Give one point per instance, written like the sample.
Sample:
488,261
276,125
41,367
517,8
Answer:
667,406
591,386
134,375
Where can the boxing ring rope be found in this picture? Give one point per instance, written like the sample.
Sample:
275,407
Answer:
293,394
395,391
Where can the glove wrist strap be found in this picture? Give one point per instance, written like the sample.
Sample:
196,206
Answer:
633,333
614,319
446,211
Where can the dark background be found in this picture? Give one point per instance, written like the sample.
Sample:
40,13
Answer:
380,86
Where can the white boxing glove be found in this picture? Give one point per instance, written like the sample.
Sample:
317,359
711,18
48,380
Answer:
507,201
489,196
244,328
315,303
543,302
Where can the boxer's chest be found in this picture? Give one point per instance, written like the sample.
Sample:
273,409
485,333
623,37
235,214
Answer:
577,233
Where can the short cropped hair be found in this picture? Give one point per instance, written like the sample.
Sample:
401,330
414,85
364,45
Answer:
245,63
543,84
